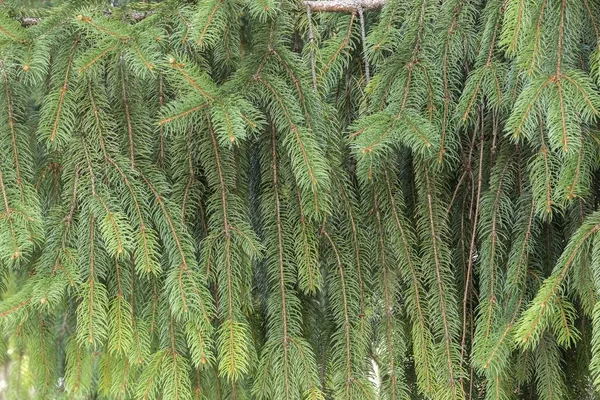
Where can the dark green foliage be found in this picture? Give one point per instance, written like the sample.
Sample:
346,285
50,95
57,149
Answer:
199,201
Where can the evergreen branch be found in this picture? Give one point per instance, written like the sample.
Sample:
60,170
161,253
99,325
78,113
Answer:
148,259
537,37
306,254
188,186
339,49
563,115
217,5
161,130
547,181
297,80
11,125
592,19
188,78
284,306
357,252
234,361
472,244
8,215
97,58
91,282
8,33
136,332
529,326
347,319
560,50
530,105
308,162
63,92
439,280
113,223
583,93
573,185
167,215
420,28
498,191
90,168
387,300
414,280
7,209
15,308
99,127
102,28
368,250
184,267
445,80
521,263
127,115
148,389
43,355
78,367
226,227
518,23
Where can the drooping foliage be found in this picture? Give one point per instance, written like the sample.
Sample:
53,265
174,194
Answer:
240,199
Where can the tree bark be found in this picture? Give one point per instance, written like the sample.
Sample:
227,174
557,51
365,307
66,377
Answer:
343,5
314,5
137,16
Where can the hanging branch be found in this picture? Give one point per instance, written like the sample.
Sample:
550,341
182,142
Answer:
343,5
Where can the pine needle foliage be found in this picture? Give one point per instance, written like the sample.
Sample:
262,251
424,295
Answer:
240,199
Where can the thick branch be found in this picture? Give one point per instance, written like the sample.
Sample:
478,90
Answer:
343,5
136,16
29,21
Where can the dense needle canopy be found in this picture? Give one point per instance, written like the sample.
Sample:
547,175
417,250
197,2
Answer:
252,199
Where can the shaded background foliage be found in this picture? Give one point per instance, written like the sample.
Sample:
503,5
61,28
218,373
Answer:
240,199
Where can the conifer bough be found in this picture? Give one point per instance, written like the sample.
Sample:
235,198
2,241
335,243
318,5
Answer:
243,199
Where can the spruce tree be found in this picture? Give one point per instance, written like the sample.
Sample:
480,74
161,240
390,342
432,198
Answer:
300,200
